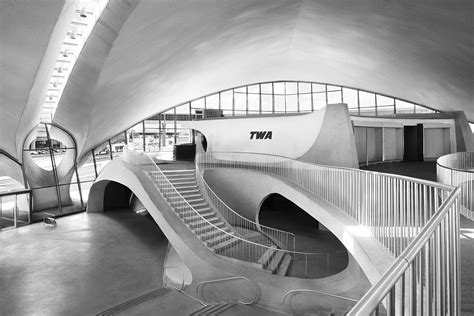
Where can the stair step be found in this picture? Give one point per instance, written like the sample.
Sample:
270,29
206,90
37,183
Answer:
284,265
191,214
220,308
182,192
275,262
200,222
191,195
183,183
218,239
267,256
203,310
181,179
178,171
207,229
226,244
210,234
196,219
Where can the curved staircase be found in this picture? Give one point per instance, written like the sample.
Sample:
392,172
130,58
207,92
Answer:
212,229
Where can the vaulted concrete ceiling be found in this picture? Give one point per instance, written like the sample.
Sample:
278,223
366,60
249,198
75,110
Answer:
168,52
26,28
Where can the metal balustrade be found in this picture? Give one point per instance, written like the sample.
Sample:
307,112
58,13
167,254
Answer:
416,220
283,239
270,258
458,170
425,278
394,208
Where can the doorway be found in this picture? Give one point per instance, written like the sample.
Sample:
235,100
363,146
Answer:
413,140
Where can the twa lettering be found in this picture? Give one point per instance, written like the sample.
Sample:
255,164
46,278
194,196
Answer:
261,135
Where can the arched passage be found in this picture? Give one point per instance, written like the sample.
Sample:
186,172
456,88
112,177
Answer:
279,212
120,202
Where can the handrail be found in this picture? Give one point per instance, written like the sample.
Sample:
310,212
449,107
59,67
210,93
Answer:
255,248
458,169
202,283
287,294
393,207
288,236
416,180
370,301
15,192
444,162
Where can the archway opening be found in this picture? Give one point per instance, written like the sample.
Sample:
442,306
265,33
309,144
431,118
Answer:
311,237
125,208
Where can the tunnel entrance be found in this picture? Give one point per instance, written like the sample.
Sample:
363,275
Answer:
278,212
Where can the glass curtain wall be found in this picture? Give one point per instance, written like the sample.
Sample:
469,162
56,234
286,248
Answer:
159,134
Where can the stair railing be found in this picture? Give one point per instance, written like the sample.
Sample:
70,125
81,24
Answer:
394,208
282,239
303,265
417,220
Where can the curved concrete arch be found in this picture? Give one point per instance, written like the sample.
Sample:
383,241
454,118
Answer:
245,190
203,263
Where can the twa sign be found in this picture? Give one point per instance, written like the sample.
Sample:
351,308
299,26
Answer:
261,135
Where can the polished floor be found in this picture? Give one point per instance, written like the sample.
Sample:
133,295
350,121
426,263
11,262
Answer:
87,264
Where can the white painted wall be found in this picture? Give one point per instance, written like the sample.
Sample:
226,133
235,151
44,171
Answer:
436,142
292,136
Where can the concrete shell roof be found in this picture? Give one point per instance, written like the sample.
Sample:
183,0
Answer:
168,52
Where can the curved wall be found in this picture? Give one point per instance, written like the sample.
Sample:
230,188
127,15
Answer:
324,137
244,191
204,264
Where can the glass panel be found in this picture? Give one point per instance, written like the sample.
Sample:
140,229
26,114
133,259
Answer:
279,88
305,87
385,110
350,98
334,88
135,136
305,102
86,176
266,88
368,111
226,100
367,99
240,103
74,191
198,107
291,88
152,135
404,107
422,109
385,101
334,97
318,88
23,209
254,89
184,135
102,156
280,104
7,207
267,104
254,103
118,143
212,102
292,103
319,100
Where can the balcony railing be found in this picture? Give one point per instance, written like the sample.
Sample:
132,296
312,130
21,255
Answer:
15,209
417,220
458,170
